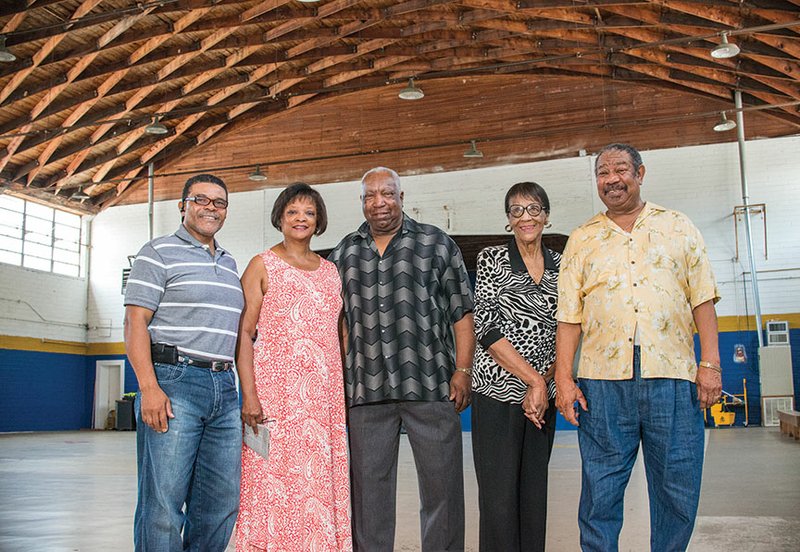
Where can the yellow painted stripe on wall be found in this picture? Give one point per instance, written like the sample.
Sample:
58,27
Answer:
106,348
745,323
726,324
42,345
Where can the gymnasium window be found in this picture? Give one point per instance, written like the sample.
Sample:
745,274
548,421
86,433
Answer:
39,237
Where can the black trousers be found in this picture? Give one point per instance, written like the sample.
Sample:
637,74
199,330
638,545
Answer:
511,457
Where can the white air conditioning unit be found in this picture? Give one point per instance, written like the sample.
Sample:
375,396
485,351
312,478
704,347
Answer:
777,332
777,388
775,367
770,407
126,272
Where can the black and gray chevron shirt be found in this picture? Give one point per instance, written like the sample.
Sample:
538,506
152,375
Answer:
400,308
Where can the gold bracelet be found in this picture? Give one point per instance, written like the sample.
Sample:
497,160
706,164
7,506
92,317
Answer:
467,371
710,366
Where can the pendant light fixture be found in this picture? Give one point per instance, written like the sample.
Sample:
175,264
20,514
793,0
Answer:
6,55
725,49
473,152
724,123
257,175
80,194
411,92
156,127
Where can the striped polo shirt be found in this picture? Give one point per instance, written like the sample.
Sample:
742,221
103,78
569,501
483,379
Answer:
196,299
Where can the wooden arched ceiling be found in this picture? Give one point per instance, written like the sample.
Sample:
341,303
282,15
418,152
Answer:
90,75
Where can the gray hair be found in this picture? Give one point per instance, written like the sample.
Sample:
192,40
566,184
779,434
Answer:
384,170
636,157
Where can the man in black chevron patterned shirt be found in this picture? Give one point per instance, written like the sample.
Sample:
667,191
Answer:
408,337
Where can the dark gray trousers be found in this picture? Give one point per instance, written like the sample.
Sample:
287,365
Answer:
434,432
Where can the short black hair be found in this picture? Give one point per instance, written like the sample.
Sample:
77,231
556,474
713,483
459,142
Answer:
636,157
300,190
209,178
529,189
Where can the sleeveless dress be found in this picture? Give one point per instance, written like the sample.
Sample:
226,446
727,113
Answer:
299,498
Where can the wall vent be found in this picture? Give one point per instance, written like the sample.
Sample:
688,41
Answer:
770,407
777,332
126,273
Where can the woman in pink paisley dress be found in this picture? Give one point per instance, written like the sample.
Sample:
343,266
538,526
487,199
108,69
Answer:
290,370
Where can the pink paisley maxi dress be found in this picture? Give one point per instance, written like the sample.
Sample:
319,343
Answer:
299,498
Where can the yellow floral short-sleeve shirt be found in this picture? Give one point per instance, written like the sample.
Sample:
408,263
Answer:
611,281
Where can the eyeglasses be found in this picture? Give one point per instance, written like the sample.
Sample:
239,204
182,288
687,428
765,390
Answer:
203,201
533,209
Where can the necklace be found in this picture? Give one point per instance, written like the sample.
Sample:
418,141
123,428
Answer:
628,227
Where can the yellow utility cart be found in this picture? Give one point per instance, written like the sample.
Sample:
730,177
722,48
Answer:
722,411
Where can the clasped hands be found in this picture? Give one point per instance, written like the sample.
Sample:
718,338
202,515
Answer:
535,402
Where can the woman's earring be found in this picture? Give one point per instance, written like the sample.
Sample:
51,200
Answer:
548,225
508,228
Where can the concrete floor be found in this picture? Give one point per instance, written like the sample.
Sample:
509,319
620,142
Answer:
76,491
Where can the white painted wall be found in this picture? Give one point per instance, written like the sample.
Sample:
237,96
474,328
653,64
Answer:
702,181
43,305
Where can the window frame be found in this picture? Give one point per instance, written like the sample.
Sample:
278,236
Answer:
58,258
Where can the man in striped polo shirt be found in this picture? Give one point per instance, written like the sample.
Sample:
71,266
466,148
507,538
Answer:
182,308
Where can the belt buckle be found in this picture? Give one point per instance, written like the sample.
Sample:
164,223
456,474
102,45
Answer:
219,366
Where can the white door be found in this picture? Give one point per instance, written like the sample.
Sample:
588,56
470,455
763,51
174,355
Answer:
109,384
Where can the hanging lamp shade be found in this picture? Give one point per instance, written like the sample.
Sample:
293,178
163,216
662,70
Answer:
724,123
725,49
257,175
6,55
473,152
156,127
411,92
80,194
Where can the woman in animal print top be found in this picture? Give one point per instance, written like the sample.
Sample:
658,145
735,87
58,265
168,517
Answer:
513,395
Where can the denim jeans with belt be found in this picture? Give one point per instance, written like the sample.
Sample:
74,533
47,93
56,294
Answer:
664,415
196,463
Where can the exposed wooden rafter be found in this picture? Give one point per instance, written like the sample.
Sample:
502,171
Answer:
91,74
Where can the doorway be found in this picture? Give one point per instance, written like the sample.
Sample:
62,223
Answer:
109,385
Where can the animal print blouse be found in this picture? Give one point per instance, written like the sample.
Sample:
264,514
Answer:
510,304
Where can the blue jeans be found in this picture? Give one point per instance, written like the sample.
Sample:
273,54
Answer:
664,415
196,463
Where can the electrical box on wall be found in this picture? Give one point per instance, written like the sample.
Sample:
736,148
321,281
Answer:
777,332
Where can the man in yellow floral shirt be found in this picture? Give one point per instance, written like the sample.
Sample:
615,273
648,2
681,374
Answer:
633,280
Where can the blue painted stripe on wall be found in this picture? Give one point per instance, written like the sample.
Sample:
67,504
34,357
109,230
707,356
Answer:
42,391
